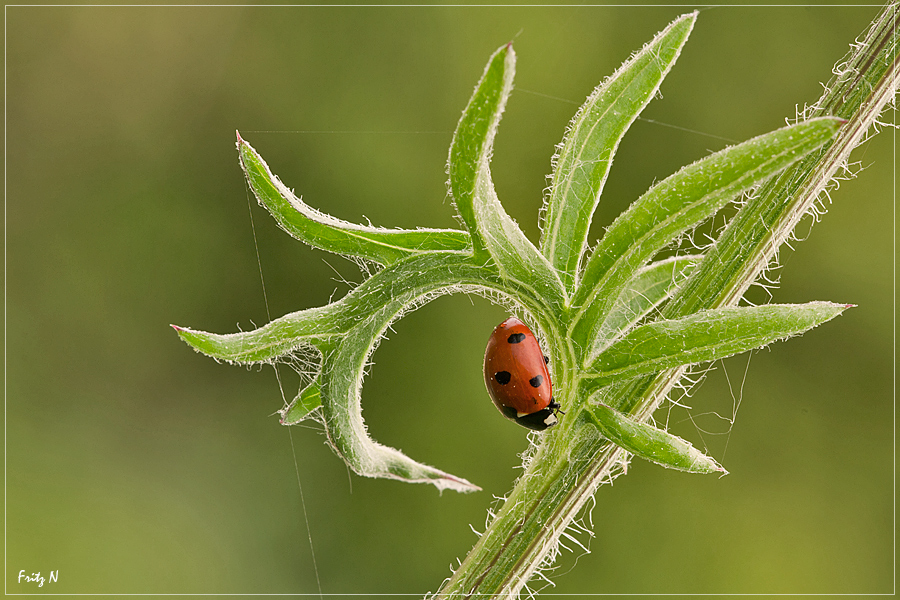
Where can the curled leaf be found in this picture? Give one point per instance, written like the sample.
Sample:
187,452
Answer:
341,383
319,230
345,333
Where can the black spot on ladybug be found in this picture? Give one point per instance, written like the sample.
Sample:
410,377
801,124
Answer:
546,360
516,338
536,381
503,377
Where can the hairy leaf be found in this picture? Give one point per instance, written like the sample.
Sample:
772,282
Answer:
323,327
304,405
676,204
593,136
518,260
341,383
705,336
383,246
648,289
474,136
650,443
311,327
345,333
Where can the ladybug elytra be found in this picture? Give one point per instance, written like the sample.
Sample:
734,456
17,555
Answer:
516,376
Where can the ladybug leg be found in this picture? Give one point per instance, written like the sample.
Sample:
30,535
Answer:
555,406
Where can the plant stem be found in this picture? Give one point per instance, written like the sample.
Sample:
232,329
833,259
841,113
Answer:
573,460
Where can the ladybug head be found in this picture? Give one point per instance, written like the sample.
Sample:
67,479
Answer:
540,420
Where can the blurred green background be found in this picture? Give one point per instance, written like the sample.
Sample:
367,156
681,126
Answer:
135,465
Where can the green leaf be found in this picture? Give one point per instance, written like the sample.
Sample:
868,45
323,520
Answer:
474,136
303,406
593,136
518,260
563,472
311,327
650,443
492,229
345,333
648,289
341,383
676,204
863,86
323,327
705,336
383,246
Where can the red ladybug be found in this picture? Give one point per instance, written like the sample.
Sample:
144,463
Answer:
516,376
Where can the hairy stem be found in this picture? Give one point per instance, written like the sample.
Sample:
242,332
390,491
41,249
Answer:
573,460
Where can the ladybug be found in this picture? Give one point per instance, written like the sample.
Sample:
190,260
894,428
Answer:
516,376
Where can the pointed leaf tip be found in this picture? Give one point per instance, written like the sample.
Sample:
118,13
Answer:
320,230
470,150
705,336
238,134
648,442
585,155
